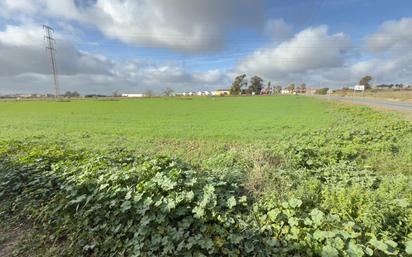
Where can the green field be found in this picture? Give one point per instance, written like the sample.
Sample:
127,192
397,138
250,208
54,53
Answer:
228,119
221,176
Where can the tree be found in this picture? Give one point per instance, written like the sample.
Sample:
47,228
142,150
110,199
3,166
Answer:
71,94
322,91
238,83
256,85
268,89
291,88
303,88
277,89
365,82
168,91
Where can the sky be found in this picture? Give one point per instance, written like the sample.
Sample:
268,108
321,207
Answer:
131,46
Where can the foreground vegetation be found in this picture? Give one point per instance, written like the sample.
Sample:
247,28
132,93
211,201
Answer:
340,189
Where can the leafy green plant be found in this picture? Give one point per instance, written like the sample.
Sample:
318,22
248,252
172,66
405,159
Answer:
118,203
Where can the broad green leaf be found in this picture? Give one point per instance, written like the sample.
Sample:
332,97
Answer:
294,203
273,214
354,250
317,216
231,202
126,205
329,251
408,247
128,195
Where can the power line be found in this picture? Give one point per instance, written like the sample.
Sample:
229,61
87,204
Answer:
51,49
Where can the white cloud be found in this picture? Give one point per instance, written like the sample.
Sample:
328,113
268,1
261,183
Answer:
181,25
314,55
25,68
22,50
310,49
27,35
318,58
22,5
391,36
391,58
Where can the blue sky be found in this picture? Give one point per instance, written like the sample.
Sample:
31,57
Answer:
136,45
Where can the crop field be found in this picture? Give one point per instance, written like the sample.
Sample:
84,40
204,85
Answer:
227,119
221,176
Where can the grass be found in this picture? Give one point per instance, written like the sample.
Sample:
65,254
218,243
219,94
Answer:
193,129
343,160
224,119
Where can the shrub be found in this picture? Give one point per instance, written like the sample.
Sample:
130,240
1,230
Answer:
118,204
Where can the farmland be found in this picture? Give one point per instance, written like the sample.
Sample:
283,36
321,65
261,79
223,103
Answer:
225,176
227,119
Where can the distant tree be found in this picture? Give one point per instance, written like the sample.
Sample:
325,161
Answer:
168,91
148,93
277,89
303,88
238,84
75,94
268,89
365,82
116,94
94,95
256,85
322,91
291,87
71,94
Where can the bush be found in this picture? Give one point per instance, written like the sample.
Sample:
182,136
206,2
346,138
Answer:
115,204
118,204
322,91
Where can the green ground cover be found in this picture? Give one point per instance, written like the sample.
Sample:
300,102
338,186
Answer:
227,119
288,176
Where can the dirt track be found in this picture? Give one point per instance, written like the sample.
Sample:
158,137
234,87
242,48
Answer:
380,103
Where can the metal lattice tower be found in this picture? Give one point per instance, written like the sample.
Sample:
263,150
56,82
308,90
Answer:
51,49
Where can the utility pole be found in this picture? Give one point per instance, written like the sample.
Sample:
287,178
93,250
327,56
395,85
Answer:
51,49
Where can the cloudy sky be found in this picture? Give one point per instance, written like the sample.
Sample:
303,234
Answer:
135,45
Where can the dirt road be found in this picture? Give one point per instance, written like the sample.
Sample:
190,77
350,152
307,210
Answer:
380,103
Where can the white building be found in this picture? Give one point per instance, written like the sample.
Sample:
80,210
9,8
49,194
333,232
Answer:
202,93
132,95
220,92
359,88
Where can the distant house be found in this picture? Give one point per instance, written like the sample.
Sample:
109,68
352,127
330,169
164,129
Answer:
286,92
202,93
300,90
132,95
221,92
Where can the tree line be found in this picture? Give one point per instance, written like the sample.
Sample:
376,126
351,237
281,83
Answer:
255,86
